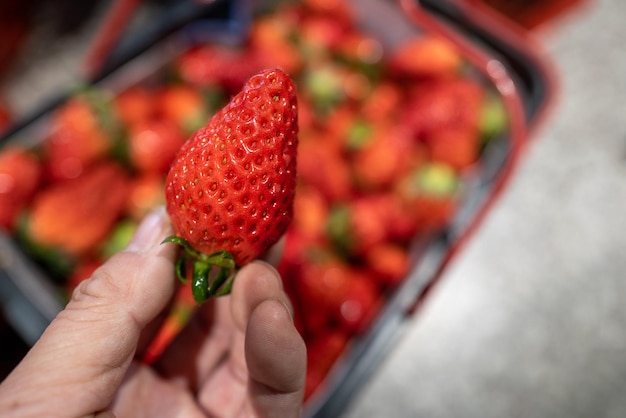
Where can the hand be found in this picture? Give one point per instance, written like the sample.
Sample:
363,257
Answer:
240,356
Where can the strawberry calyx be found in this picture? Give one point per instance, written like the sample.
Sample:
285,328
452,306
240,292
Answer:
212,275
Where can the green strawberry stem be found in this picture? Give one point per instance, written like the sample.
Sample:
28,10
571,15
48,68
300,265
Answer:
212,275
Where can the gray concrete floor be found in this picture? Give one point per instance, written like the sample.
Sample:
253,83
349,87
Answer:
530,320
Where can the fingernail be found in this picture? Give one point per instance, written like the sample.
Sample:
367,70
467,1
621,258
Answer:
150,231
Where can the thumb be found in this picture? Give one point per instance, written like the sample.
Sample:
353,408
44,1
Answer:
80,360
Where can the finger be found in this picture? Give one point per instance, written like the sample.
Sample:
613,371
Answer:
256,285
86,350
276,358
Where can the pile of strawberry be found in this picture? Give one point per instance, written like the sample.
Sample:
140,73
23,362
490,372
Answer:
386,139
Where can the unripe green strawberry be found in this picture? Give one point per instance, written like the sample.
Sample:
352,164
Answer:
229,192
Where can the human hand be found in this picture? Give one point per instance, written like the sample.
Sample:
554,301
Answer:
240,356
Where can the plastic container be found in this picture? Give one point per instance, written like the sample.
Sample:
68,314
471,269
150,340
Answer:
506,61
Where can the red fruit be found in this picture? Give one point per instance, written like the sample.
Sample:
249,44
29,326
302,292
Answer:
74,216
323,167
453,104
19,178
428,56
153,144
78,138
358,225
432,193
310,213
321,286
270,38
219,66
322,354
360,303
385,156
6,117
456,147
383,102
231,187
183,105
389,262
146,192
135,105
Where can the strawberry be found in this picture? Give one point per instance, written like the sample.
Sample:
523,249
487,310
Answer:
230,190
153,144
6,117
135,105
434,107
74,216
211,65
19,179
146,192
82,131
428,56
433,192
182,104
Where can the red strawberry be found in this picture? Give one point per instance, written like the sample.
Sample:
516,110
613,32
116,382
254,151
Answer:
82,131
230,190
428,56
19,178
153,144
182,104
454,104
135,105
218,66
6,117
74,216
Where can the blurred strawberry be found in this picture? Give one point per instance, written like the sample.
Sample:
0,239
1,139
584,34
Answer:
383,102
458,148
310,212
146,193
379,161
322,353
361,301
82,131
357,225
322,167
388,262
135,105
321,286
74,216
361,51
184,105
271,39
153,144
340,10
426,56
319,34
450,105
324,86
20,174
432,192
210,65
6,117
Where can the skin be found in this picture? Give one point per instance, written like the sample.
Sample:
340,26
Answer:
240,356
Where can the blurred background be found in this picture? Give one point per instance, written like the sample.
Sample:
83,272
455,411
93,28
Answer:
529,320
